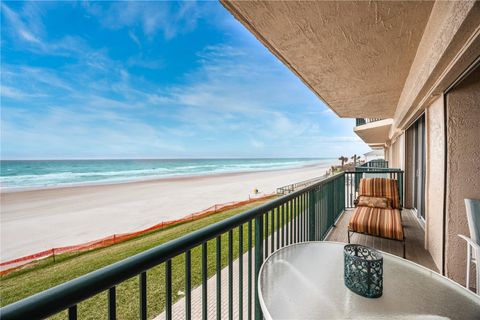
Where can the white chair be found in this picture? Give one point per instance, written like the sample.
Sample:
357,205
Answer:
473,243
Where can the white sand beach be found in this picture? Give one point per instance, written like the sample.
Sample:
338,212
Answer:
36,220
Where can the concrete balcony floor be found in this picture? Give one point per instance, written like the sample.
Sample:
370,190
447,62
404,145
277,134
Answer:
414,234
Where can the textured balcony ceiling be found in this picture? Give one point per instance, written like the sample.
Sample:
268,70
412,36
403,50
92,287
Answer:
354,55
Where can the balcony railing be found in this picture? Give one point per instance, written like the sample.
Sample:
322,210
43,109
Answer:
299,185
376,163
362,121
304,215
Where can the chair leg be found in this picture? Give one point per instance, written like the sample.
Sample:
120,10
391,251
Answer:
404,253
469,262
348,233
477,267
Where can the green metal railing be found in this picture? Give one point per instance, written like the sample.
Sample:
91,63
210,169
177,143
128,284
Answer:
376,163
362,121
303,215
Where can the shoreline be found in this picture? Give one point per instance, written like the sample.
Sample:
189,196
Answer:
38,220
171,178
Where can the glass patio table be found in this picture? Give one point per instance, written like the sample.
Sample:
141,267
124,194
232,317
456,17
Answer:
305,281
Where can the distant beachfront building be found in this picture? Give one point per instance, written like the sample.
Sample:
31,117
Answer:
374,154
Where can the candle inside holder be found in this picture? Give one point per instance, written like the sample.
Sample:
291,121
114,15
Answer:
363,270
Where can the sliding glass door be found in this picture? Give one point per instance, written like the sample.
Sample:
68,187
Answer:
418,132
420,165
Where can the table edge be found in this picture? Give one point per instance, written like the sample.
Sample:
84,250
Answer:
267,315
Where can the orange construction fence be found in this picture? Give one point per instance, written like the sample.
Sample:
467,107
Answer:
9,266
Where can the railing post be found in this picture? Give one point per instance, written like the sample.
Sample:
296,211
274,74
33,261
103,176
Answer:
334,201
311,215
330,207
258,262
342,192
400,186
358,176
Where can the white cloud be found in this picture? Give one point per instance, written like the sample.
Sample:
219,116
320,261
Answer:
220,51
33,81
241,104
134,38
240,101
17,93
95,133
18,26
168,18
256,143
27,30
146,63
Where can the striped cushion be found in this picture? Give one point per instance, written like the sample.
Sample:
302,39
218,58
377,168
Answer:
380,187
385,223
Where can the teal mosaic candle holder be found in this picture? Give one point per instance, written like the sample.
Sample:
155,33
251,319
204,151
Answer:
363,269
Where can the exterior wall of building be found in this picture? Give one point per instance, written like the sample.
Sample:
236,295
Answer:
435,178
396,154
449,45
463,171
447,48
463,168
388,154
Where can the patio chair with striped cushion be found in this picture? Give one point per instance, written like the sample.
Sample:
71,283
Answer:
378,218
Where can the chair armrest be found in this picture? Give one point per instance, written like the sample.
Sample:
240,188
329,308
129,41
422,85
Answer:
470,242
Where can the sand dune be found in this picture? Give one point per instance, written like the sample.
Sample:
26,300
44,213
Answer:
37,220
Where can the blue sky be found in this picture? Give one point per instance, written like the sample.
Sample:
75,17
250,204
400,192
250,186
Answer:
152,80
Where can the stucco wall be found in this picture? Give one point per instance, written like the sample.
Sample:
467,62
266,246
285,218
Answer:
387,151
388,154
463,167
441,55
396,154
435,165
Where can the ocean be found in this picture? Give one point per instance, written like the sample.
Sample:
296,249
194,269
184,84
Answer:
15,174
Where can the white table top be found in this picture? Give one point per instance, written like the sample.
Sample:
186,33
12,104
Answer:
305,281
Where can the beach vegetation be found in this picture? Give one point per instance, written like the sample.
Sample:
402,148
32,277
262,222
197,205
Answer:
343,159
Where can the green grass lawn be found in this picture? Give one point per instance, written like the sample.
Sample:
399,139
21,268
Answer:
46,274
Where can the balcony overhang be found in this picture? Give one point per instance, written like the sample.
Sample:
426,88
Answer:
355,56
375,134
377,146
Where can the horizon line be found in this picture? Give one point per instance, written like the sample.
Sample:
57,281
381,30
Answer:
196,158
